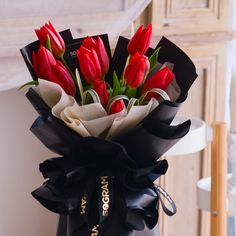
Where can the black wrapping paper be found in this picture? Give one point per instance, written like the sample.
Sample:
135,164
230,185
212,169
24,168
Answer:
92,155
184,68
102,187
134,173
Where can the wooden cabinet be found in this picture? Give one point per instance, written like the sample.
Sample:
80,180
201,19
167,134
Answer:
190,16
202,29
206,101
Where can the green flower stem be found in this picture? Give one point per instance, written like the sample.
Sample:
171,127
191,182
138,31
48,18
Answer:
131,92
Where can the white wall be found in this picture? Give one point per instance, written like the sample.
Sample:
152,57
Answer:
231,111
20,155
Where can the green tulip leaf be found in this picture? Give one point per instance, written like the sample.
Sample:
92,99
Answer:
108,86
153,59
30,83
109,90
131,92
123,88
116,85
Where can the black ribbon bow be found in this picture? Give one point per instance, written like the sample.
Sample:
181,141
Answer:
89,191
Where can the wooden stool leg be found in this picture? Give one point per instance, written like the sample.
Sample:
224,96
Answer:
219,180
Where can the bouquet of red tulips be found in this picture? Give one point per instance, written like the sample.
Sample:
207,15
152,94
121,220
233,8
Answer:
108,117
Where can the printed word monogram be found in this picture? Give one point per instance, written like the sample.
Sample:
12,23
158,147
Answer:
105,195
83,204
95,230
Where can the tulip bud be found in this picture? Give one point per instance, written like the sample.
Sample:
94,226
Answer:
46,67
61,76
102,55
100,87
140,42
161,79
116,107
89,64
90,43
136,71
42,62
57,42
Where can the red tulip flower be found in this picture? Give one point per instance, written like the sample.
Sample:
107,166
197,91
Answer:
89,64
136,71
116,107
43,62
100,87
46,67
140,42
90,43
60,75
161,79
57,42
102,55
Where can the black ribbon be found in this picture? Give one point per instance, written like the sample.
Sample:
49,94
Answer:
89,191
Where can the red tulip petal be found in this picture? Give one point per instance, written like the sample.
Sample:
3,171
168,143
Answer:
63,77
53,78
45,61
136,71
160,79
87,61
100,87
35,63
102,56
57,48
116,107
144,40
96,64
41,36
135,40
89,43
62,43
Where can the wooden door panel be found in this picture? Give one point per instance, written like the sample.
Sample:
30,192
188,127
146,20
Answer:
186,4
184,171
202,29
189,16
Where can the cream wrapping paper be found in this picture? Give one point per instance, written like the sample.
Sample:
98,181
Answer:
134,116
91,119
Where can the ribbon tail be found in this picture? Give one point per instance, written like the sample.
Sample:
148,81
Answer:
62,226
161,192
74,228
